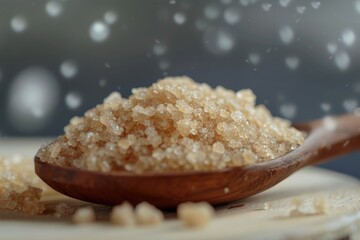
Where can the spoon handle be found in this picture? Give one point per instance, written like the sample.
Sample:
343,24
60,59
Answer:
330,137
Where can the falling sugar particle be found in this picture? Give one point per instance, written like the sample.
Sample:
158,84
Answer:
68,69
110,17
107,65
73,100
172,2
342,60
53,8
232,15
292,62
350,104
211,12
348,37
288,110
300,9
218,41
284,3
179,18
331,47
159,49
18,24
326,107
254,58
99,31
316,5
266,6
286,34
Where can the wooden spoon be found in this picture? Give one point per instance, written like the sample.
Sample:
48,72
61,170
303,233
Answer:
327,138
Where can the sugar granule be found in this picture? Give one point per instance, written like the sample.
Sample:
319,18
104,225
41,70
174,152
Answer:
147,214
123,215
195,215
84,215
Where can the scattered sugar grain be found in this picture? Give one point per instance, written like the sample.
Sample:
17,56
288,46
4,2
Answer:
84,215
320,205
123,215
63,210
195,215
147,214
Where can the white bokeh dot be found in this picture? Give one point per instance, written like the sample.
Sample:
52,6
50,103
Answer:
18,24
68,69
32,99
99,31
292,62
348,37
212,12
286,34
110,17
54,8
218,40
159,49
288,110
342,60
350,104
232,15
179,18
73,100
284,3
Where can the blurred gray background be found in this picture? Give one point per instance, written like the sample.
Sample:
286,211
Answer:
60,58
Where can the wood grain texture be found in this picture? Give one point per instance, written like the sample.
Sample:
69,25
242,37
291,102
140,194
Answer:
167,190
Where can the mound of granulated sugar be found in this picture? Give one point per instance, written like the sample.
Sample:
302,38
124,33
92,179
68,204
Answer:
20,188
174,125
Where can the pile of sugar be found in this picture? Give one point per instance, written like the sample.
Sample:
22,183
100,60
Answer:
174,125
20,188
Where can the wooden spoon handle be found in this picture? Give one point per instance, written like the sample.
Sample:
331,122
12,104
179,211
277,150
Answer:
330,137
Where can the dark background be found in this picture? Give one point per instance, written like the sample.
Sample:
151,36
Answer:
60,58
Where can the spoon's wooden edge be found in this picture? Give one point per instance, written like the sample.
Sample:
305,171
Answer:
164,190
168,189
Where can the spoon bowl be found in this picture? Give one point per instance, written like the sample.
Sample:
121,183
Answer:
327,138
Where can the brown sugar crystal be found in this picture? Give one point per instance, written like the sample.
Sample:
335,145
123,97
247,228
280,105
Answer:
147,214
123,215
174,125
20,188
195,215
84,215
